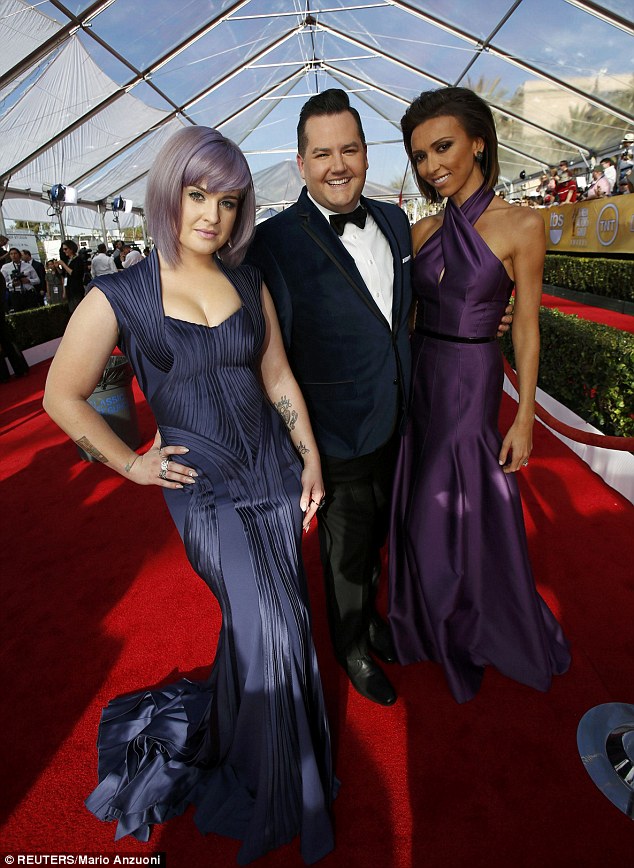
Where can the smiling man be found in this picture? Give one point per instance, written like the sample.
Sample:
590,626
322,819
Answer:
337,266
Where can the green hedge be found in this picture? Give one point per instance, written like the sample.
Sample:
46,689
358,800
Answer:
611,278
41,324
587,367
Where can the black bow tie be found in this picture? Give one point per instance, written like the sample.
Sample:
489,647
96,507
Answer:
338,221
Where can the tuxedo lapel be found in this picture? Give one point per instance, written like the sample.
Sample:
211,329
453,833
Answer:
319,230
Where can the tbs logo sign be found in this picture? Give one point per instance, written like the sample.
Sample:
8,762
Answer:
556,227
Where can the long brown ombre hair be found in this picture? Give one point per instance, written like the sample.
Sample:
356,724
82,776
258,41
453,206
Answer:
474,116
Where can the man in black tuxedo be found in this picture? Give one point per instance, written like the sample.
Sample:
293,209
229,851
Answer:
342,292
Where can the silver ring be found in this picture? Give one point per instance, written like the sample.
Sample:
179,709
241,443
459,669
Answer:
164,468
526,463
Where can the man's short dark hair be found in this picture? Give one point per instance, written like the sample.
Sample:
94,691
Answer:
329,102
27,251
101,248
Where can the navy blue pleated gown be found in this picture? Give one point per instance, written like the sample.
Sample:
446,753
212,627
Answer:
250,747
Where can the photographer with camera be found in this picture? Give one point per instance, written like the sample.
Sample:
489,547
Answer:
21,279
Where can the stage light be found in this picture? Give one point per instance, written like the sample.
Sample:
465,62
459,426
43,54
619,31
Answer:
121,204
61,193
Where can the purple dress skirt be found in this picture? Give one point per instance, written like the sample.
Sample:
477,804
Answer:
250,747
461,589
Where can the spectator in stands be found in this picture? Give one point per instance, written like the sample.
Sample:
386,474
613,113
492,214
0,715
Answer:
567,190
609,170
102,263
550,192
625,163
130,255
21,279
542,187
600,185
39,270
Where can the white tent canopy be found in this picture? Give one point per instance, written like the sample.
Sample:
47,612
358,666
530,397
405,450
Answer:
90,90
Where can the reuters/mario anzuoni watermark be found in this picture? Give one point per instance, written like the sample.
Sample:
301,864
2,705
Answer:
83,859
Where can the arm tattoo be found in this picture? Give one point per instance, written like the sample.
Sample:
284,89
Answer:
130,464
85,444
289,416
302,449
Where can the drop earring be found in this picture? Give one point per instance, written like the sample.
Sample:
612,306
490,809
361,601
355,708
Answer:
478,157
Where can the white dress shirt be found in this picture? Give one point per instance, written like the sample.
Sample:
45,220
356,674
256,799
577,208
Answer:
132,258
102,264
26,270
610,174
373,257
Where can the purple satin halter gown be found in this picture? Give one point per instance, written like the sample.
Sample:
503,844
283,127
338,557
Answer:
461,588
250,747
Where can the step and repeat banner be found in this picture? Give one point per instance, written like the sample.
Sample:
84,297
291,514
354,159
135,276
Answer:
604,226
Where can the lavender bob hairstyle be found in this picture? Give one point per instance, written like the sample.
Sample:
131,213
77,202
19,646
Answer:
198,155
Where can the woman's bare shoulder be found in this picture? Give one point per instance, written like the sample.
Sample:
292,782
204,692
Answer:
514,220
424,229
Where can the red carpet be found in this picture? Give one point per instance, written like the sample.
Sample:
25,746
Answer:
622,321
99,600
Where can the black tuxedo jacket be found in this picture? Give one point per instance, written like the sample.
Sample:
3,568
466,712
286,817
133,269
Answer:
352,367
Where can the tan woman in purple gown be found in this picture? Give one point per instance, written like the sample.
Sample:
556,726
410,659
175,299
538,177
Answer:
461,588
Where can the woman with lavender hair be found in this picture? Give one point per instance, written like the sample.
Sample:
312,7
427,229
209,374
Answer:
250,747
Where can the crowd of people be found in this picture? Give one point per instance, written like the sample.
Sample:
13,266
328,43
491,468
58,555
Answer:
26,283
610,176
286,386
29,283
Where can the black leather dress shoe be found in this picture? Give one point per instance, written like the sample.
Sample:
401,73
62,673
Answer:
381,640
369,680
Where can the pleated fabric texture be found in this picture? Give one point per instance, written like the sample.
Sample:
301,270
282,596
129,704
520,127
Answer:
461,588
250,747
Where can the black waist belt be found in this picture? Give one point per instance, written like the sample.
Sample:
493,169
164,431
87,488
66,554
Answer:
453,338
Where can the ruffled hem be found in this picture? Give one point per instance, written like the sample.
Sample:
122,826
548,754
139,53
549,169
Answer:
154,762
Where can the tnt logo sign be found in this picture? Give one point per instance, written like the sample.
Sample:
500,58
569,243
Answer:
556,226
607,224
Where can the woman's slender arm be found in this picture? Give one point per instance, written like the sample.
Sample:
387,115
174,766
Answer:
528,264
90,337
282,390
